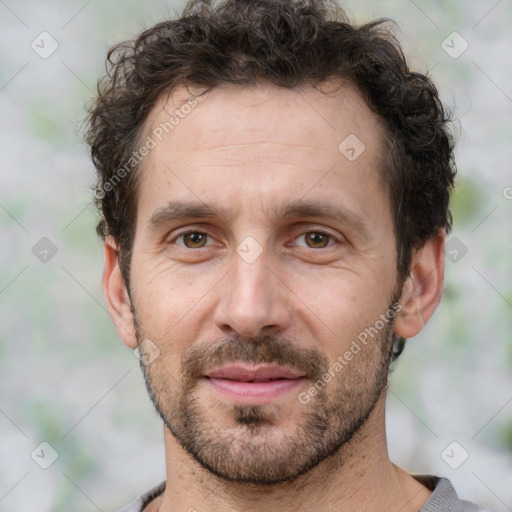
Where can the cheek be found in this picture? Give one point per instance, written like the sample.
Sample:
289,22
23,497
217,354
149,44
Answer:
337,307
170,301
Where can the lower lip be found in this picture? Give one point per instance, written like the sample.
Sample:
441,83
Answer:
254,393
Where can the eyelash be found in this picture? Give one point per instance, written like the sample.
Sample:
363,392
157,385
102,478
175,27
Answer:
316,231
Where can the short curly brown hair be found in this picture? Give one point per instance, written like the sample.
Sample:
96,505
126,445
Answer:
288,43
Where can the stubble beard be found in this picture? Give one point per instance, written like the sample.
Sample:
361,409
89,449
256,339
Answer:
253,449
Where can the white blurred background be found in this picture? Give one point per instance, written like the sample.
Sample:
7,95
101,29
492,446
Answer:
65,377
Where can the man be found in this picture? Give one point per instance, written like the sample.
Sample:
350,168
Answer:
273,187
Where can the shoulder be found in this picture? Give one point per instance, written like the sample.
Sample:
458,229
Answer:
142,501
444,497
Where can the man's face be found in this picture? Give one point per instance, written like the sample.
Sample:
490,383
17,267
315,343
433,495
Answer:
251,305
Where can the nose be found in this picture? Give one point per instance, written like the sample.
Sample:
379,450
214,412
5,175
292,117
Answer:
254,300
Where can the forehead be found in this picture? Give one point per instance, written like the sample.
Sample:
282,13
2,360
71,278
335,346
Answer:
325,116
244,144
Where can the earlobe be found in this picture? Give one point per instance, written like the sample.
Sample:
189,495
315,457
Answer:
423,287
116,294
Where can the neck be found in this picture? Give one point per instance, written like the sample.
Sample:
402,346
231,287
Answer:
359,476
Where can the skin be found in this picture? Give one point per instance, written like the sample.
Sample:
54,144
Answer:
248,150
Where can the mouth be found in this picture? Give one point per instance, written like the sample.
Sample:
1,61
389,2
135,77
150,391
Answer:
253,385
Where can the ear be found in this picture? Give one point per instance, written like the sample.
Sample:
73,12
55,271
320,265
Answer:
423,287
116,294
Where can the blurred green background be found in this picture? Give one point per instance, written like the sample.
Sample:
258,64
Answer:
65,377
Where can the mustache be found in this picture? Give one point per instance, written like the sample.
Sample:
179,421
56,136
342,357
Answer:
262,349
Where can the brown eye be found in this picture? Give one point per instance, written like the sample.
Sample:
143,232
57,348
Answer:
317,239
193,239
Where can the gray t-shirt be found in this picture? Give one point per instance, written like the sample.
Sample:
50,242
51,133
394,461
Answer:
443,499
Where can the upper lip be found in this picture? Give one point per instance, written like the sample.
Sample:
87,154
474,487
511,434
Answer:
244,373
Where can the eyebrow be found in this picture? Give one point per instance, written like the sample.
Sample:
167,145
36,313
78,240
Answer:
185,210
181,210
